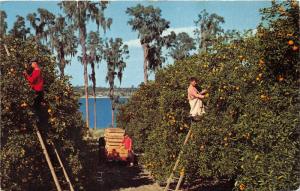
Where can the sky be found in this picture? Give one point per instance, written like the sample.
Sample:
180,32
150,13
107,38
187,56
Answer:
238,15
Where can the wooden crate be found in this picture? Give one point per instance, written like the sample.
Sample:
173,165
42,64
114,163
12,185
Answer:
114,130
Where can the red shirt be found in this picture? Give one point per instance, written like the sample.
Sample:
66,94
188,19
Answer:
127,142
35,80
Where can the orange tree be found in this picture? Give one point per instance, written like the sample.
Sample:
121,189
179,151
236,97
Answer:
23,166
249,133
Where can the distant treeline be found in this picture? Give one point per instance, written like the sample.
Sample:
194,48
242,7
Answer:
103,91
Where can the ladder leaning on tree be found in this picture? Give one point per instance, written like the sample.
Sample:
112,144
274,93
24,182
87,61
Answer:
171,177
48,160
53,169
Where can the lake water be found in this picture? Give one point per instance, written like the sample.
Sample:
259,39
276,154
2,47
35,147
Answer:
103,109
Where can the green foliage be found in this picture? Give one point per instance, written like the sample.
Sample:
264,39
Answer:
208,28
19,29
115,53
63,41
41,23
249,133
23,166
181,46
150,26
80,13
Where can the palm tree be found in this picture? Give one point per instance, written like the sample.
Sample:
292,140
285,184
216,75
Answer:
63,41
41,23
80,13
150,26
94,49
115,53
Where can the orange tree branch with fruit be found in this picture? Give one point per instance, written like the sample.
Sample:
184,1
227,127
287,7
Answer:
23,166
249,134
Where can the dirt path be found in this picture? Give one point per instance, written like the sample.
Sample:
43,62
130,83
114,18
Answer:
120,177
113,176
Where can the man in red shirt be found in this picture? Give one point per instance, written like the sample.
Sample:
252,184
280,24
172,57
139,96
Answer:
36,82
127,142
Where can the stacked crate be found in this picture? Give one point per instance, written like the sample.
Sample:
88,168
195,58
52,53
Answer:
113,139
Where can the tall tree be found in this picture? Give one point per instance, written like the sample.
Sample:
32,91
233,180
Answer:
94,54
208,27
115,54
3,23
63,41
41,22
181,46
80,13
19,29
150,26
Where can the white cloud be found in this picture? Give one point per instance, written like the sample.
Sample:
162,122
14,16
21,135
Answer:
189,30
135,43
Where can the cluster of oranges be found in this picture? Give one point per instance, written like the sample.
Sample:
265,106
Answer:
291,43
264,97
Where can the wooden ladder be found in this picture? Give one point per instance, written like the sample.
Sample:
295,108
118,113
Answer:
171,177
54,170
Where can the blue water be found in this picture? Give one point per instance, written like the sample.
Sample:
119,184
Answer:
103,111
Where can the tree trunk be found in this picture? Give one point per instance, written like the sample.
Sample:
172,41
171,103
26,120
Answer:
112,106
145,48
112,117
84,62
93,77
62,67
62,61
95,115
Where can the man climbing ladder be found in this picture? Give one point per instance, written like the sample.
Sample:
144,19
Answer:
196,111
195,99
36,82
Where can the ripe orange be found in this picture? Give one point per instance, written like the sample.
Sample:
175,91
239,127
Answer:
280,78
24,104
49,110
261,62
182,172
263,97
290,42
242,187
202,147
295,48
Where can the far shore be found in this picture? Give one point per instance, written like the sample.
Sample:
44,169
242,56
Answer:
104,97
96,133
